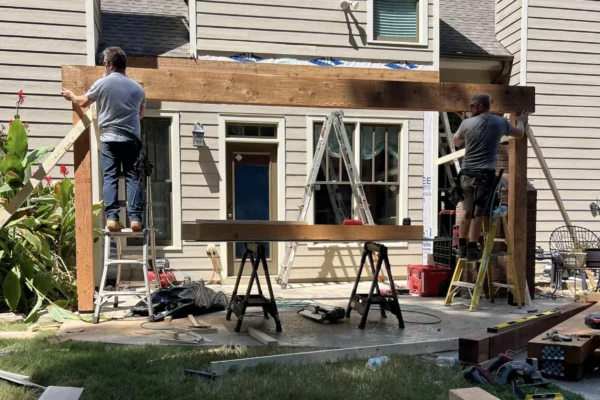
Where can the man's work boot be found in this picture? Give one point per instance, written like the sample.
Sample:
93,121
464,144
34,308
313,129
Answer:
114,226
461,252
136,226
473,254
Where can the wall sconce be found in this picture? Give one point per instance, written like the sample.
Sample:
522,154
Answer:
198,133
594,208
349,5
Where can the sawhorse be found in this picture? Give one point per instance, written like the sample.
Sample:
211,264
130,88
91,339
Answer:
362,302
238,304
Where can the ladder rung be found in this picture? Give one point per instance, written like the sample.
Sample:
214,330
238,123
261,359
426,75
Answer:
128,293
110,262
124,233
463,284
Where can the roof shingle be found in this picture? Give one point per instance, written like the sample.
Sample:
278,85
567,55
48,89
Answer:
468,27
146,27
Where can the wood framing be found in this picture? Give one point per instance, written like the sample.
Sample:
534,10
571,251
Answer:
233,231
84,228
386,74
319,92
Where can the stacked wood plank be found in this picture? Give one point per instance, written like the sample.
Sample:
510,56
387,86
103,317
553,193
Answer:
567,360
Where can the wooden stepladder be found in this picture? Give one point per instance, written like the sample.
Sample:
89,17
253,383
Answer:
499,217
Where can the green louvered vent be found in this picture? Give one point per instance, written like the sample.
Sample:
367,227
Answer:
395,18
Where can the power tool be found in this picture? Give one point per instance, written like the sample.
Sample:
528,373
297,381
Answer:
593,320
323,314
504,370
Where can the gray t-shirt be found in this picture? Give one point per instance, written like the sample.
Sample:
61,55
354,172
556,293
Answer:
119,100
482,135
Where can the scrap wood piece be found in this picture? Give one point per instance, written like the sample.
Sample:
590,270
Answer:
262,337
61,393
522,321
591,297
482,346
198,330
336,355
475,393
18,335
19,379
180,342
193,320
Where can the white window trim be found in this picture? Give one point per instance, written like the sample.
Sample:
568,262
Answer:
175,160
423,28
402,211
223,120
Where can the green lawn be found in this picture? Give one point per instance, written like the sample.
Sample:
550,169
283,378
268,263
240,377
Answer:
156,372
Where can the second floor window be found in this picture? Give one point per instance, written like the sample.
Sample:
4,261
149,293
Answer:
396,20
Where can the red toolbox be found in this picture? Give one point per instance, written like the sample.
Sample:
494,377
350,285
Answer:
429,280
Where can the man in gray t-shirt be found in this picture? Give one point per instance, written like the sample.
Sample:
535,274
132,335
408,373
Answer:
481,135
121,104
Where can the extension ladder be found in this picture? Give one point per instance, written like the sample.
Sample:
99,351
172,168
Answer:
499,216
333,122
148,235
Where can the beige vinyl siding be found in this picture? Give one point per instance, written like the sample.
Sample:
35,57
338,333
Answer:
563,55
36,38
508,32
200,185
306,29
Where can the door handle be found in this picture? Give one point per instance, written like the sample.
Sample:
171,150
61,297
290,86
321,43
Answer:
229,212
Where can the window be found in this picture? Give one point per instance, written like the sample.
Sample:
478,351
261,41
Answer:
379,169
401,21
237,130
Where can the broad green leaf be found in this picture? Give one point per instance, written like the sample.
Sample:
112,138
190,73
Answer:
33,314
1,254
61,303
16,142
5,188
11,168
26,174
28,268
45,252
43,282
12,288
36,156
29,222
66,190
31,238
56,314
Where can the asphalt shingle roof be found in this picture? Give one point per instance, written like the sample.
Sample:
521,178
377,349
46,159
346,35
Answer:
146,27
468,27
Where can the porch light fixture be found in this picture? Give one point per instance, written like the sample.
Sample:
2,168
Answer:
198,133
594,208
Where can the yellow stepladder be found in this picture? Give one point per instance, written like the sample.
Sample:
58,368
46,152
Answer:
499,216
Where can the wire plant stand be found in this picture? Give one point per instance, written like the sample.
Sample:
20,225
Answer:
568,248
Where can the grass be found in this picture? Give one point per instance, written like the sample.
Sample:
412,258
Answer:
156,372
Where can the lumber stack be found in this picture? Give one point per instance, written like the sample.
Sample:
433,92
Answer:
567,360
482,346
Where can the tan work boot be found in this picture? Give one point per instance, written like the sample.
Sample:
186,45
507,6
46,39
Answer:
114,225
136,226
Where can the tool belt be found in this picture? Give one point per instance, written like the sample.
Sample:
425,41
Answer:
485,183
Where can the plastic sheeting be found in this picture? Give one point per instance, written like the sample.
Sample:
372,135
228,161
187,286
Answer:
181,301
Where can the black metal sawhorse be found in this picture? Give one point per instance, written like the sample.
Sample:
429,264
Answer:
361,303
238,304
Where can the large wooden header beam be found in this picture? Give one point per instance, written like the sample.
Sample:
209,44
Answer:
299,91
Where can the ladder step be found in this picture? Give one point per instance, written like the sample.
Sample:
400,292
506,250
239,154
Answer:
503,285
111,262
463,284
124,233
127,293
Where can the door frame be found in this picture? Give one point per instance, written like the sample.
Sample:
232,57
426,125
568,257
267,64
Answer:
279,121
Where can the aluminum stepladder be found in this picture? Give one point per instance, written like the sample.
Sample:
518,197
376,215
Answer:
499,217
333,122
148,235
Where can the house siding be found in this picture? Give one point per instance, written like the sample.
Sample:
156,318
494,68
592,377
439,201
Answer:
201,179
36,38
308,29
563,55
508,32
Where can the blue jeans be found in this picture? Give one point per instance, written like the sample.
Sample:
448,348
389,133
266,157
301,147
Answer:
116,157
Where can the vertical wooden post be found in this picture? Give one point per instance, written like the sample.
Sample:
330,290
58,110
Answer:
84,223
517,208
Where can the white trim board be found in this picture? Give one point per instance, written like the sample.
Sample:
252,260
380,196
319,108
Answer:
423,28
524,39
336,355
222,168
175,160
402,210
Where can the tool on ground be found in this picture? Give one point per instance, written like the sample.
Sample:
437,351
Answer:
362,302
556,337
498,217
333,122
255,252
215,259
148,236
208,375
522,396
593,320
323,314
